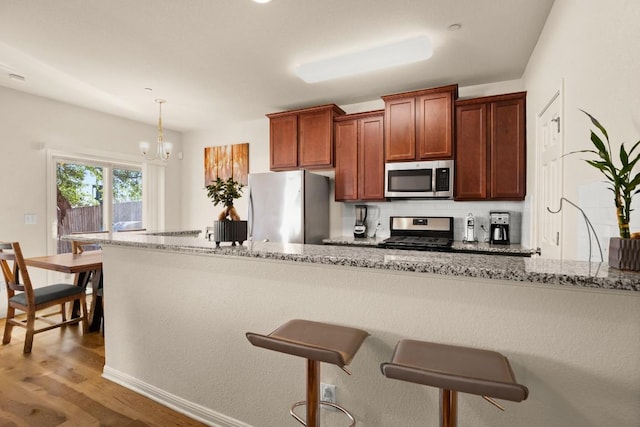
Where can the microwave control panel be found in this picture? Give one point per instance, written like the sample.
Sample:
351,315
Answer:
442,179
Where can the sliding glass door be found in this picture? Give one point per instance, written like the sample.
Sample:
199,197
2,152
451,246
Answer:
126,187
92,196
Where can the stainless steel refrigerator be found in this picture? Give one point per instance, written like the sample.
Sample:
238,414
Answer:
288,207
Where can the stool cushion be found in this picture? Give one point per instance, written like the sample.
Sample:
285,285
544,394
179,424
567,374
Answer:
313,340
463,369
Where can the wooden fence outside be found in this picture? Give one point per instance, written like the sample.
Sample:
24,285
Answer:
89,218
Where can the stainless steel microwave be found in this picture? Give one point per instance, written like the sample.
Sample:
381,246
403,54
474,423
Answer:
419,180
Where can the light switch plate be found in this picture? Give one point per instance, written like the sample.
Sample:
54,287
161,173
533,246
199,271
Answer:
30,218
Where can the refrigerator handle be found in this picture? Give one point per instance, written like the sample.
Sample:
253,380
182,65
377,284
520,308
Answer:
250,215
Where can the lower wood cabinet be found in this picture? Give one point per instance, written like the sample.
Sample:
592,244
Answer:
359,173
491,148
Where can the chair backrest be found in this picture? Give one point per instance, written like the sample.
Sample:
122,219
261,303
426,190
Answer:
77,247
11,253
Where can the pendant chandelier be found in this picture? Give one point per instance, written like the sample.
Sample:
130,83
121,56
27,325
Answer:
163,148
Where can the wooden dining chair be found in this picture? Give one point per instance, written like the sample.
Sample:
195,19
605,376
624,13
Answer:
22,296
77,247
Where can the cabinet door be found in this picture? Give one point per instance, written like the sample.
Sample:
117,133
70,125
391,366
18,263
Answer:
507,178
400,129
371,158
471,152
315,139
346,180
283,150
434,124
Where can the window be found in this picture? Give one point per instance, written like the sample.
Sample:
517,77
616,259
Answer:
95,196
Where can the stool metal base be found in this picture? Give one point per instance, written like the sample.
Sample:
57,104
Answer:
322,403
313,401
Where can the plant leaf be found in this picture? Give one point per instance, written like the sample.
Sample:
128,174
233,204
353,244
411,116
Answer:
624,158
597,124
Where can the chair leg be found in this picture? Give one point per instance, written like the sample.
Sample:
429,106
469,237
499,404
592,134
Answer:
313,393
31,325
448,408
8,327
85,315
63,312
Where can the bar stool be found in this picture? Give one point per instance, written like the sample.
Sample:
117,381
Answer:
453,369
317,342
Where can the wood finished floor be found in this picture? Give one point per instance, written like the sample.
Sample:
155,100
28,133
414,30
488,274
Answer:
60,384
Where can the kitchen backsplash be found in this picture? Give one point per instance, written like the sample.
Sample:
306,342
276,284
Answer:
379,212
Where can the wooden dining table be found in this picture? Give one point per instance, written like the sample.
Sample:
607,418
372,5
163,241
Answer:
86,267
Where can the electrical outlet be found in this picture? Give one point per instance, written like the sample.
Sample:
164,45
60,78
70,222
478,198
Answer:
328,394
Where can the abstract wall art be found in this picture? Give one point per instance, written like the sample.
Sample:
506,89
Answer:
226,161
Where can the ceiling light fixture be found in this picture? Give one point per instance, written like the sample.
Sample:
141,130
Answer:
163,148
386,56
262,1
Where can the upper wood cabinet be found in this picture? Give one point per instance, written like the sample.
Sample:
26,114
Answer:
360,156
419,124
491,148
283,136
302,138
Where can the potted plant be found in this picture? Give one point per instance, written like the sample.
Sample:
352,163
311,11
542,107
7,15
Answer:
228,227
624,251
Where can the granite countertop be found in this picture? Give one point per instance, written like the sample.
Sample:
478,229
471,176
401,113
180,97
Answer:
533,270
457,246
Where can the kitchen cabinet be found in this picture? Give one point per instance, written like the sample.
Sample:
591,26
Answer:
283,136
491,148
419,124
302,138
359,171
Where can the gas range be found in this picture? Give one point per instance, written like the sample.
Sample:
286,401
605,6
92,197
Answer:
420,233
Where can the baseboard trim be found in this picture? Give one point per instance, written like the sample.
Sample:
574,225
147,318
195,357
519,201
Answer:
190,409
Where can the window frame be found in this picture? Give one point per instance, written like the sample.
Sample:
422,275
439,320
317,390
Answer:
152,195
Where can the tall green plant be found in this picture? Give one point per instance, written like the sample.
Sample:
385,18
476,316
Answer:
621,179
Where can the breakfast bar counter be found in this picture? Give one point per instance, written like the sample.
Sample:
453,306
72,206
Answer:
462,263
177,309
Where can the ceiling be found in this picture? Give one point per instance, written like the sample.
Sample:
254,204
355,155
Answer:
215,60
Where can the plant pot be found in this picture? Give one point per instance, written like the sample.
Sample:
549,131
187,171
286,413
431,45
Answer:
624,254
229,231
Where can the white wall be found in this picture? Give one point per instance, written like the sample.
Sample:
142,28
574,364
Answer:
198,212
29,126
593,46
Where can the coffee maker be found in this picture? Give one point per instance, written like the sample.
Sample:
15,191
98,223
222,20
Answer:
360,229
499,227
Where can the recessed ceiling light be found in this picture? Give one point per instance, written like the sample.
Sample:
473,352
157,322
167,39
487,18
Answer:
454,27
386,56
262,1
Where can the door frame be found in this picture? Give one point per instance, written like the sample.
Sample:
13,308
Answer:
558,94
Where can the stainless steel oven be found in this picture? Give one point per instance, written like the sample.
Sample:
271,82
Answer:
419,180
